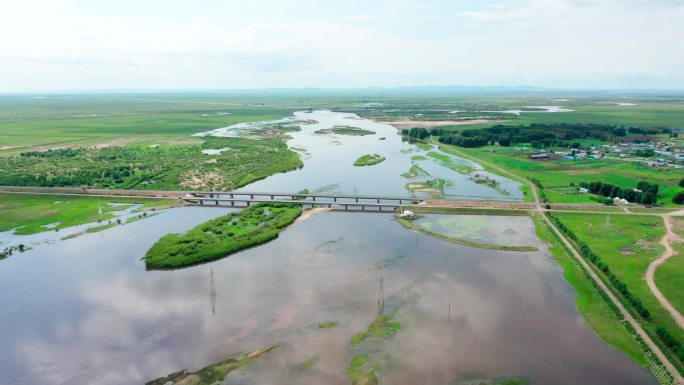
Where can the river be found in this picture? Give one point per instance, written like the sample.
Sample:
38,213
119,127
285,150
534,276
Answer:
85,310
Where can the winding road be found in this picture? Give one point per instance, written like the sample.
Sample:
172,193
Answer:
666,241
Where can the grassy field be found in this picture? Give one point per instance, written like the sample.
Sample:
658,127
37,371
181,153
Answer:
628,244
33,211
589,303
222,236
648,114
86,120
557,175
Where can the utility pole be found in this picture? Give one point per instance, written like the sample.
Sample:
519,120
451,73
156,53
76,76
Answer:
212,291
449,319
381,297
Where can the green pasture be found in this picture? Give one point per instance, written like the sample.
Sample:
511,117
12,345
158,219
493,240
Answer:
628,244
32,212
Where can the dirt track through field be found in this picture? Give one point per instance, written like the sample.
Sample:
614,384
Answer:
666,241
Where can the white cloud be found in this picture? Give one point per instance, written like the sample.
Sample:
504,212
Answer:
70,44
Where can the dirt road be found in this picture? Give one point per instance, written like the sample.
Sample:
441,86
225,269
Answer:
666,241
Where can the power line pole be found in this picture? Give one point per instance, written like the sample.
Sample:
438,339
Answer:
381,297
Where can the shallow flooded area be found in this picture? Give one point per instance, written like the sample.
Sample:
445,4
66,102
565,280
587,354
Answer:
329,162
484,229
85,310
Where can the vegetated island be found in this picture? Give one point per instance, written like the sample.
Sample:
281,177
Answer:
369,160
211,374
222,236
408,224
345,130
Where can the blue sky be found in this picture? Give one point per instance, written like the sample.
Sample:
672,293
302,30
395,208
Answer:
211,44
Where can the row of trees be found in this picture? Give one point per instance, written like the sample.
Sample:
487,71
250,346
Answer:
648,131
539,134
67,152
671,342
620,286
647,195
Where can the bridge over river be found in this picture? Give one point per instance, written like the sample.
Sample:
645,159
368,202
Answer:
340,201
376,203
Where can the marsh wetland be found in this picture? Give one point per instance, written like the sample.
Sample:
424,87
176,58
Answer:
336,298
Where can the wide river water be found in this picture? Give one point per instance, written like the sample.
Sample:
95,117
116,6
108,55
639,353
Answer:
85,310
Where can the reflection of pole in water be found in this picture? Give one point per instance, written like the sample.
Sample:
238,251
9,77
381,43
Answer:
212,291
449,306
381,298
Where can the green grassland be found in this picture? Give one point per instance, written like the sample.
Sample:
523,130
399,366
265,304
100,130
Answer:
628,244
589,303
647,114
34,211
85,120
222,236
88,119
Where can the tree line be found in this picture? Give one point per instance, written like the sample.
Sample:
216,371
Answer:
538,135
671,342
647,194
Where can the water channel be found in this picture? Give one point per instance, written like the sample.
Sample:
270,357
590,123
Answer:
85,310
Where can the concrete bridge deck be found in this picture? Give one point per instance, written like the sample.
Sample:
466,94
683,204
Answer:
245,198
